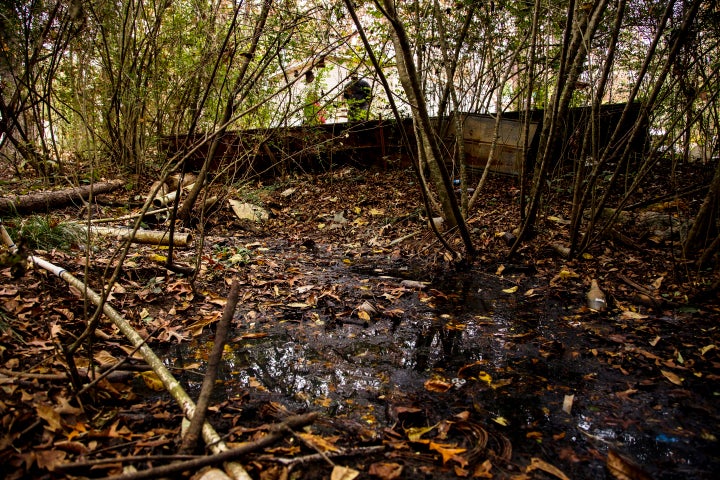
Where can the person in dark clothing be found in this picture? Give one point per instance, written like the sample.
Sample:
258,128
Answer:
357,96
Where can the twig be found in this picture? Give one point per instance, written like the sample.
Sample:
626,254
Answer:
655,300
276,434
636,286
291,462
193,433
691,190
129,216
174,387
403,238
37,376
132,459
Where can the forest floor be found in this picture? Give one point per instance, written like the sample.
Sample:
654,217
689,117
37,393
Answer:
418,368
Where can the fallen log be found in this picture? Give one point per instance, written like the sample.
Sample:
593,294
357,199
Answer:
152,237
44,201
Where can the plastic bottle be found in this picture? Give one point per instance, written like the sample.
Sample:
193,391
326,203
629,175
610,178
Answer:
596,297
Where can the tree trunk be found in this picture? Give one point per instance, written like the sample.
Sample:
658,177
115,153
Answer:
574,53
427,139
704,228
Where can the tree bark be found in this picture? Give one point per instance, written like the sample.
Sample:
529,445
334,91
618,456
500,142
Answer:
427,139
704,228
44,201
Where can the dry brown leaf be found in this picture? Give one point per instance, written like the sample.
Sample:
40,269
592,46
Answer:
623,469
50,415
103,357
538,464
449,453
435,385
320,443
386,471
672,377
49,459
343,473
483,470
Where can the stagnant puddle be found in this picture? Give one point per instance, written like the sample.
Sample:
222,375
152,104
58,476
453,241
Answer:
540,376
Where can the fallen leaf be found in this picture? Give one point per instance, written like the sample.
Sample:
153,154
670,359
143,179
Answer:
208,319
501,421
414,434
484,377
448,452
386,471
343,473
251,335
435,385
538,464
152,381
320,443
565,274
49,459
625,395
103,357
559,220
706,349
623,469
50,415
511,289
65,407
629,315
298,305
483,470
672,377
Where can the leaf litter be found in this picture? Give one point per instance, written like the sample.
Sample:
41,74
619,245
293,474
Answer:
349,308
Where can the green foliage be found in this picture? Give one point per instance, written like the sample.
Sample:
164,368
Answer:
110,78
43,233
231,256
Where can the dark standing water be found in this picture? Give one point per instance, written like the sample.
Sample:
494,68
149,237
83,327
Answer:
472,352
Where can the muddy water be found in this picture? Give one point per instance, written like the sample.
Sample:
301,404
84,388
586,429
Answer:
464,344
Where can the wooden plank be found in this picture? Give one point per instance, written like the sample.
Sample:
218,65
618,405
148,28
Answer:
478,133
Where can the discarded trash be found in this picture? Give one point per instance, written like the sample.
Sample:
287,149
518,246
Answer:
596,297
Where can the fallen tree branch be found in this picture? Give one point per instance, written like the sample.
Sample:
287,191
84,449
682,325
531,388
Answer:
315,457
123,460
44,201
277,432
190,439
211,437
